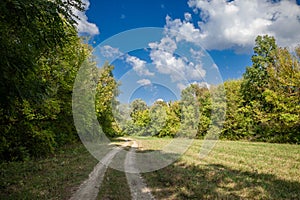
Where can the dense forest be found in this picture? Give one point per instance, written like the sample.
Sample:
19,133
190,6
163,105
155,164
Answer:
41,54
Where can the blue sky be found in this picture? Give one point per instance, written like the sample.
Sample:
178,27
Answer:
226,29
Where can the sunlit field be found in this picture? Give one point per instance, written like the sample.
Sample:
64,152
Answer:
233,170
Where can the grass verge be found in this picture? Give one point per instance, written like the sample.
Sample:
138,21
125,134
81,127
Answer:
233,170
55,177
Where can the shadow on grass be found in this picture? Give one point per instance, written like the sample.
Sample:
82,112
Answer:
212,181
54,177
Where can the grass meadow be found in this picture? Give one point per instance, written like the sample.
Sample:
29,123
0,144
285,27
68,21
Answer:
232,170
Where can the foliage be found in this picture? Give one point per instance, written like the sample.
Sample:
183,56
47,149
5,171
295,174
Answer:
158,117
238,117
35,126
270,90
105,100
283,98
171,127
29,30
255,79
39,59
189,111
138,119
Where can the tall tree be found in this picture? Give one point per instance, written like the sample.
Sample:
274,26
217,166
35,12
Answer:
189,111
256,79
283,97
106,93
256,76
238,123
172,120
158,117
270,90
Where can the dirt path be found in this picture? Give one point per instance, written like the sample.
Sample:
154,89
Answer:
89,189
138,187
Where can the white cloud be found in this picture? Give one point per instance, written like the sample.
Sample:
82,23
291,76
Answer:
110,52
166,63
187,16
183,30
202,84
214,66
179,68
139,66
197,55
235,24
165,44
84,26
144,82
181,86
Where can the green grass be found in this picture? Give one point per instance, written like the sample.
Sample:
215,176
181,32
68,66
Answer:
114,186
233,170
55,177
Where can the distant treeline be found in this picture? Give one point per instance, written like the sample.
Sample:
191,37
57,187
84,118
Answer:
262,106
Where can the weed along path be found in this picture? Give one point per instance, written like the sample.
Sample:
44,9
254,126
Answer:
90,188
138,187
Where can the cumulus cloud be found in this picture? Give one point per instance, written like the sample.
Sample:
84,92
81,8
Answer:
183,30
187,16
139,66
235,24
165,44
166,62
181,86
144,82
110,52
83,25
201,84
197,54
